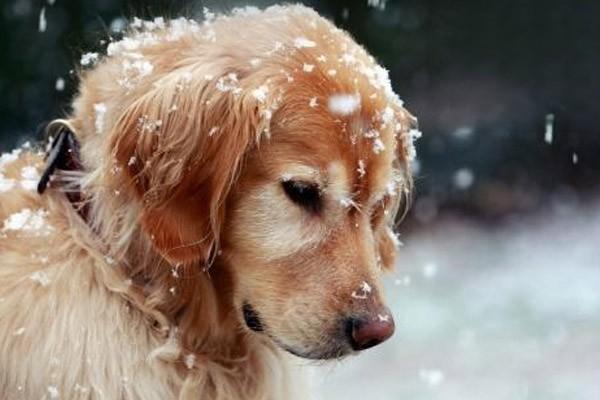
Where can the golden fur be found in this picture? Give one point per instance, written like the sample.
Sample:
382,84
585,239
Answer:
187,131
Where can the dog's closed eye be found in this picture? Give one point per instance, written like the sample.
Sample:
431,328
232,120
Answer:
305,195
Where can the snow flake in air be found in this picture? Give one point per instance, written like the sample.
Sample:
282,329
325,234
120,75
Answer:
379,4
42,23
549,133
430,270
59,85
463,178
433,377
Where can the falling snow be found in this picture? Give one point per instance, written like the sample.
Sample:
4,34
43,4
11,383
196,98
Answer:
42,23
549,133
430,270
463,178
433,377
59,85
379,4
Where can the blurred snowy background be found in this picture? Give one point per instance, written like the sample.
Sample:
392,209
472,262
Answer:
497,291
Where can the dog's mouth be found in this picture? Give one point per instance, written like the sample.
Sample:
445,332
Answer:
328,351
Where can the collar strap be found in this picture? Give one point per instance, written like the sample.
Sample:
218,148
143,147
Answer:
64,155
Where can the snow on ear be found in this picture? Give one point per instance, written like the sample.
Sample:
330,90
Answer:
405,126
179,148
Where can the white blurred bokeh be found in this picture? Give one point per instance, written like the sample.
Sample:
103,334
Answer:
486,312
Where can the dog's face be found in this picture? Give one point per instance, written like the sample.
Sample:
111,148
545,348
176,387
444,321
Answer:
287,176
308,231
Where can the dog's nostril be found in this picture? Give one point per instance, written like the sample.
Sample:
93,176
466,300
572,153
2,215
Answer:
365,333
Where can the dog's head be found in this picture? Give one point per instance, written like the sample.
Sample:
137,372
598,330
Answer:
282,162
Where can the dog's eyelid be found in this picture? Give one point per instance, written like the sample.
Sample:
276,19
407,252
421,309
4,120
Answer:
305,194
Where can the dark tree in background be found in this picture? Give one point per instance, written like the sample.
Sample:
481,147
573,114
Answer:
483,78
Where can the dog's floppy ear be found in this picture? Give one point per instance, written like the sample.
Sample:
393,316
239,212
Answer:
180,147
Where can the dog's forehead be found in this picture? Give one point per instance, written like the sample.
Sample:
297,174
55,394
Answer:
350,154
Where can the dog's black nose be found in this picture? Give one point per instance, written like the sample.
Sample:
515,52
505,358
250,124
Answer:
368,331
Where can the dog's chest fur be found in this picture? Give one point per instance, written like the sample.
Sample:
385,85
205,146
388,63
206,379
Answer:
67,332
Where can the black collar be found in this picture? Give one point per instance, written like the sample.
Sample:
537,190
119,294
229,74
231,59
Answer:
63,155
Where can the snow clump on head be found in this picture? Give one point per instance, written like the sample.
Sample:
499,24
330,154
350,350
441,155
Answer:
344,104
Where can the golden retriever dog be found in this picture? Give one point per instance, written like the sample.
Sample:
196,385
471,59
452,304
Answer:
221,194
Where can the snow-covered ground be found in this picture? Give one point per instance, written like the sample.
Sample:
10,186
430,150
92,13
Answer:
507,312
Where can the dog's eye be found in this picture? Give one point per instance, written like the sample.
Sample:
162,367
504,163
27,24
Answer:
306,195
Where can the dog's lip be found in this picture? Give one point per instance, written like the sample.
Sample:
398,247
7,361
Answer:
332,353
254,323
